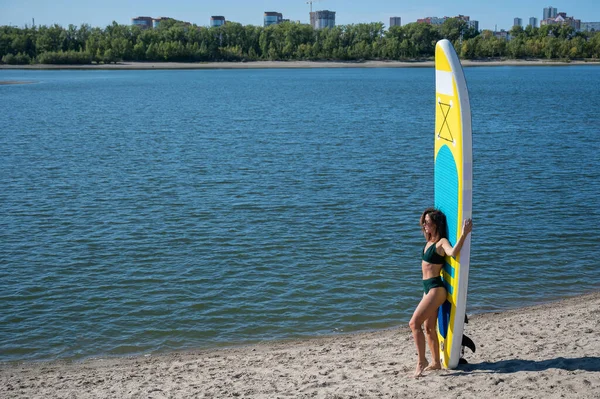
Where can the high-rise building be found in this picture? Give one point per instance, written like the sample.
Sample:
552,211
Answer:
395,21
217,20
142,22
533,22
550,12
322,19
518,22
272,18
473,24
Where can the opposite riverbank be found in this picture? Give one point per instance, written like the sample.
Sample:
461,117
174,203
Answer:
292,64
550,350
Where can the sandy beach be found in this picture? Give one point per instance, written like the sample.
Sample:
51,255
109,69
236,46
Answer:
294,64
549,351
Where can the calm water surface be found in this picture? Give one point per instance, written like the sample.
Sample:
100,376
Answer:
147,211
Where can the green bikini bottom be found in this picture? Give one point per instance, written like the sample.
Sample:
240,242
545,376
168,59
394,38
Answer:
434,282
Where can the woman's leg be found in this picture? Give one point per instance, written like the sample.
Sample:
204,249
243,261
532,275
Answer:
432,336
426,309
415,326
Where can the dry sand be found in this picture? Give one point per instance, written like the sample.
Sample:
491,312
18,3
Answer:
546,351
294,64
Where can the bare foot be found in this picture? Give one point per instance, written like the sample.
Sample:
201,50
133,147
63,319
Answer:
435,366
420,368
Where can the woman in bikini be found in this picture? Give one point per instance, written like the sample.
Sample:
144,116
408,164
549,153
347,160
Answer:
433,224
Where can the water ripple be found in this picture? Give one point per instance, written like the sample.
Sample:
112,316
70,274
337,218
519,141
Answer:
143,218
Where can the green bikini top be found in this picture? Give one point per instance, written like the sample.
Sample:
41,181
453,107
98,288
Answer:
430,256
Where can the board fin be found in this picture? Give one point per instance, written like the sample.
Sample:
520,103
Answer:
462,360
468,342
466,319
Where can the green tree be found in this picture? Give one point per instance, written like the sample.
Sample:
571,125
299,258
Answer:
551,47
108,56
121,49
594,46
176,41
139,51
152,52
577,48
468,48
50,39
517,32
516,48
453,29
422,38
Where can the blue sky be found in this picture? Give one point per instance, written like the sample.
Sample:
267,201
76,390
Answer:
103,12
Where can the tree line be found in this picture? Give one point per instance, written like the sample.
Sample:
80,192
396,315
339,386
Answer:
178,41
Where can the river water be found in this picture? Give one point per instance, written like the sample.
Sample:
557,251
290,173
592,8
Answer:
152,211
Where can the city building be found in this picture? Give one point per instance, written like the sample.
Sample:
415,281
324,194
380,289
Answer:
217,20
533,22
590,27
395,21
149,22
571,21
473,24
440,21
142,22
550,12
322,19
432,20
518,22
502,35
563,19
156,21
272,18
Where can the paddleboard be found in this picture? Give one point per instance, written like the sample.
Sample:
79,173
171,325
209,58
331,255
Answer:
453,192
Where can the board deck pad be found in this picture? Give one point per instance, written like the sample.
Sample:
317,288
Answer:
452,192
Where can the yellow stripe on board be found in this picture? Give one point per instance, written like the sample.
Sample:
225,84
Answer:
441,61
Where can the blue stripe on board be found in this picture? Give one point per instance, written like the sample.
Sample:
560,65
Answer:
444,318
449,287
446,200
449,269
446,189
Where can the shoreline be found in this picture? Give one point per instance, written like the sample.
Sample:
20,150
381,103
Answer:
289,65
548,350
16,82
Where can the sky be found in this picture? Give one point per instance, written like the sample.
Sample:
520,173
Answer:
490,14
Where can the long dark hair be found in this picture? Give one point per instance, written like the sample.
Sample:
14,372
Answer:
438,219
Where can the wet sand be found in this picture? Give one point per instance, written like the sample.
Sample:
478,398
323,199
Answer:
549,351
14,82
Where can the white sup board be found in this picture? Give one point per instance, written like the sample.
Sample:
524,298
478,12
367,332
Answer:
453,192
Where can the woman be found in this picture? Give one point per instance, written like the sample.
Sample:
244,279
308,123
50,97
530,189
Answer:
433,224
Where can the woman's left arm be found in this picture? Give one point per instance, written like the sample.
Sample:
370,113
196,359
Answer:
453,251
